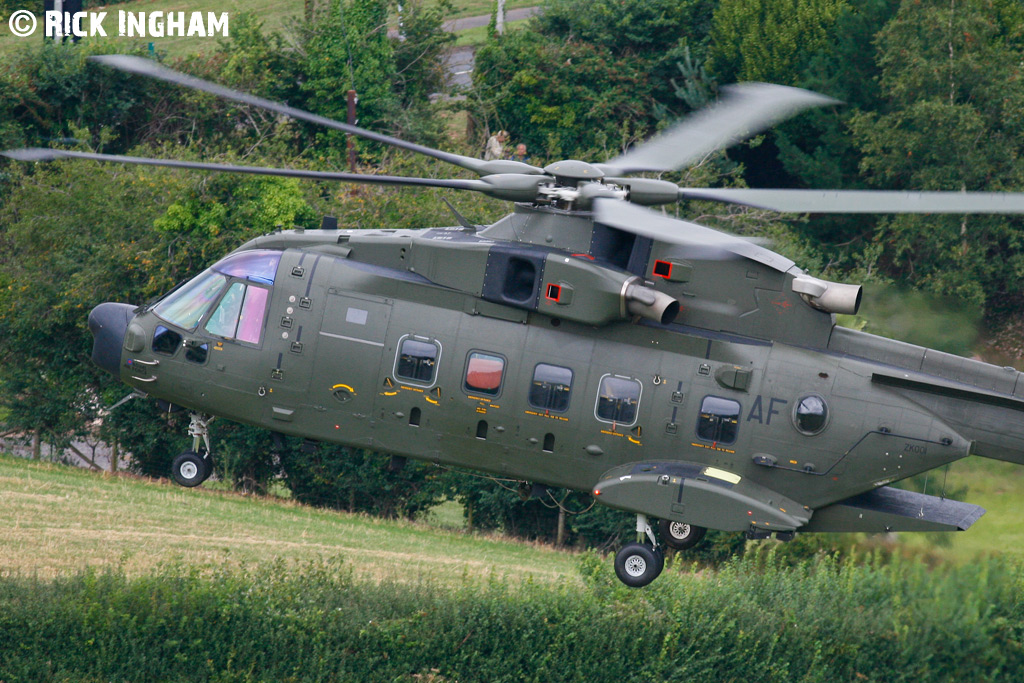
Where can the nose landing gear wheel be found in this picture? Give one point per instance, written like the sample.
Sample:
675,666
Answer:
680,535
191,468
637,564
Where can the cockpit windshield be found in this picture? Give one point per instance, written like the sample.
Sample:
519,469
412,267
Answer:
186,306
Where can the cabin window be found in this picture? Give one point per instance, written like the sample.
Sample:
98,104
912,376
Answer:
240,313
719,420
810,415
166,341
484,374
551,388
617,399
196,353
417,360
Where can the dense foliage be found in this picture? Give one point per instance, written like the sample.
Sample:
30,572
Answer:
752,620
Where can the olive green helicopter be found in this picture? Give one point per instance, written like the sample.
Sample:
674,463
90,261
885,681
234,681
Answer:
686,376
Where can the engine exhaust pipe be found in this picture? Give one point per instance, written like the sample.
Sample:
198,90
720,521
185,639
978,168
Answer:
650,303
831,297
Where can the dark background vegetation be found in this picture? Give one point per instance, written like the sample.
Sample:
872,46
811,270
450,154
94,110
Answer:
934,100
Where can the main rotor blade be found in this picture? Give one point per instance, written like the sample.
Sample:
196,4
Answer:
746,110
146,67
698,242
40,154
864,201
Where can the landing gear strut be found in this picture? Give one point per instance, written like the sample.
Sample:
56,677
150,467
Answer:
193,467
639,563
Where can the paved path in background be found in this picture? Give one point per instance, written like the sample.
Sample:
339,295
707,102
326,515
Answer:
100,453
484,19
459,62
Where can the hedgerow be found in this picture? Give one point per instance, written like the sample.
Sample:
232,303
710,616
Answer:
754,619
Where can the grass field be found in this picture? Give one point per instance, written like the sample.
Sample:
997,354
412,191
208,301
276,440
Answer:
56,520
275,16
996,486
201,585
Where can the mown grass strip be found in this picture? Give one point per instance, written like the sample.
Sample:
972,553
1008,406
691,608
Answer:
56,519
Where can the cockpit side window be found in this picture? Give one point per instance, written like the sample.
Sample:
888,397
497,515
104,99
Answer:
224,320
240,313
250,324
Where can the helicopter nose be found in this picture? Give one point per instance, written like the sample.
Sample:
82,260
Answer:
108,323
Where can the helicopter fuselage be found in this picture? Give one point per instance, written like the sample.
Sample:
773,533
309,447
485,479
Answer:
645,413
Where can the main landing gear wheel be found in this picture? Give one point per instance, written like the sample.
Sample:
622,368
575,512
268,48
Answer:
191,468
680,535
637,564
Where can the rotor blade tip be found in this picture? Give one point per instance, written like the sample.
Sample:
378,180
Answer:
105,59
130,63
31,154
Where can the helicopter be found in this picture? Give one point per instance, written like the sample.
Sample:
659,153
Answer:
692,378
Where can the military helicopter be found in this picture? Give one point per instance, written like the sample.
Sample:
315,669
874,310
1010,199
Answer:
583,341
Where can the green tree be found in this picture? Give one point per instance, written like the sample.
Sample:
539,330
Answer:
75,234
51,90
561,98
662,33
72,237
952,120
357,480
348,49
816,148
419,51
768,40
586,78
777,42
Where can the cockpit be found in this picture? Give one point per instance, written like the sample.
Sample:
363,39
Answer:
229,300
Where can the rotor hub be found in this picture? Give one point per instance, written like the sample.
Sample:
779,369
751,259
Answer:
571,172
